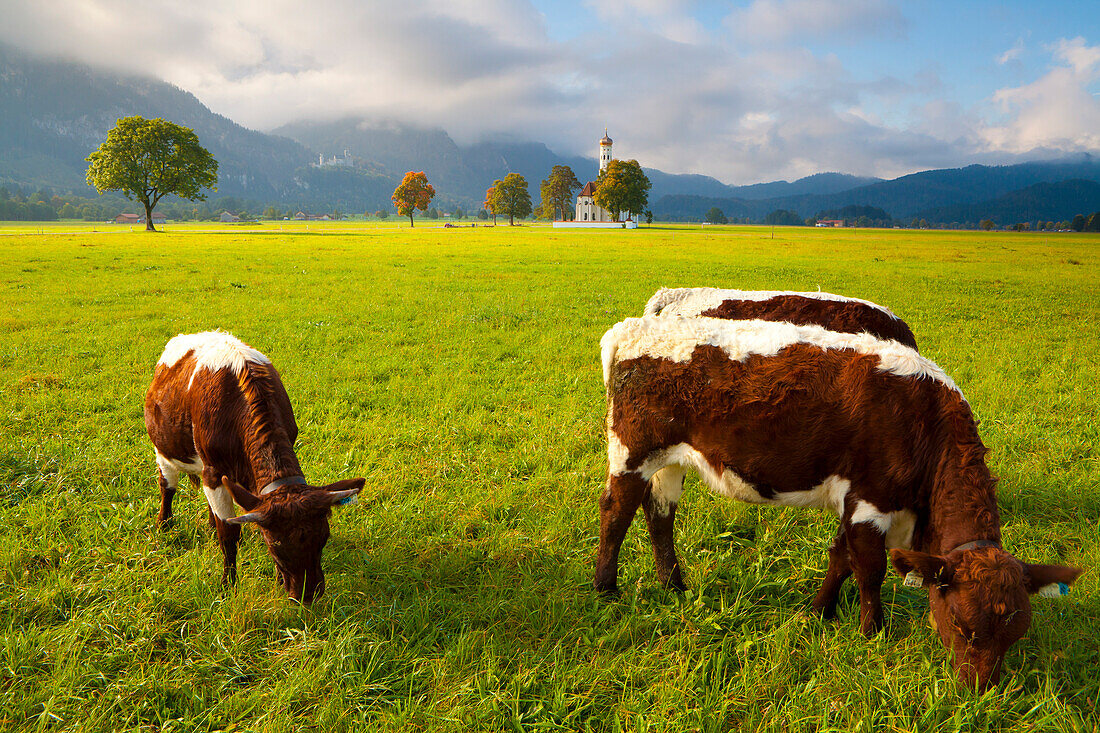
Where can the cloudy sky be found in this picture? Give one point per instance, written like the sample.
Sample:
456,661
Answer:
744,91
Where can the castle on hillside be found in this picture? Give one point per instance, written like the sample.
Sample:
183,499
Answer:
587,210
346,161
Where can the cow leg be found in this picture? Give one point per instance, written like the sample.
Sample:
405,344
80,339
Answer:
168,478
839,569
867,554
618,506
229,535
222,508
660,503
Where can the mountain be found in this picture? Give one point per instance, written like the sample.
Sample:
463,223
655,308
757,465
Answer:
464,172
903,197
54,113
819,183
1042,201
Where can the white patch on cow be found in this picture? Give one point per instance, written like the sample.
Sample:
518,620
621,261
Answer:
214,350
676,339
220,501
727,483
171,468
688,302
667,482
617,454
667,485
897,527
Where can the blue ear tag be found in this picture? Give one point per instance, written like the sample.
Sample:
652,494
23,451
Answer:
347,500
1054,590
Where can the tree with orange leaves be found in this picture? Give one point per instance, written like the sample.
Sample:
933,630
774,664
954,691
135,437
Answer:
414,193
490,194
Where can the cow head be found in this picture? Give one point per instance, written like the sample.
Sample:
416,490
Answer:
294,524
980,604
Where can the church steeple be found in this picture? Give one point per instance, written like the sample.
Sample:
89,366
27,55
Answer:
605,151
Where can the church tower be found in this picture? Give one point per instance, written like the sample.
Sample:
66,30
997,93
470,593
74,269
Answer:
605,151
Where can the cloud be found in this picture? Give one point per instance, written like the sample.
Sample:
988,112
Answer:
1012,54
674,94
1083,59
770,21
1057,111
670,19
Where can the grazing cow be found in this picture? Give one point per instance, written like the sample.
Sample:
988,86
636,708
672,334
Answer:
217,410
773,413
834,312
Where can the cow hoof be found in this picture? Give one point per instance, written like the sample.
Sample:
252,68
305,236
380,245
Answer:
607,591
870,630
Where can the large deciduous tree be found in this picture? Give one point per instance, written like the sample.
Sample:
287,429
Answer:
557,192
149,159
414,193
511,198
622,186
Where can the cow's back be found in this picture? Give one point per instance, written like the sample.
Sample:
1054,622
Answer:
208,391
830,311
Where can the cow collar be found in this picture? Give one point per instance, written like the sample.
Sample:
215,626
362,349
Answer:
972,545
281,482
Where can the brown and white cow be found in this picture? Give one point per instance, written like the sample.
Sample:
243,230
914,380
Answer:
218,411
773,413
834,312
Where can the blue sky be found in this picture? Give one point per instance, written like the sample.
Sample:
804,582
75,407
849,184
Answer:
747,91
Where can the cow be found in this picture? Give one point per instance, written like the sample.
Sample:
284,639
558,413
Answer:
774,413
217,411
834,312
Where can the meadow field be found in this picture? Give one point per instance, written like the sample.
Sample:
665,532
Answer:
458,370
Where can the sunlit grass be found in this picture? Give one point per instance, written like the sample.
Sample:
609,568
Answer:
458,370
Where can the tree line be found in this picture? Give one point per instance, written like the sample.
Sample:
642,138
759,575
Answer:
621,187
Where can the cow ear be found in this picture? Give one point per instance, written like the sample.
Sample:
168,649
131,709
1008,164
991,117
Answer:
344,492
245,498
257,517
922,567
1042,577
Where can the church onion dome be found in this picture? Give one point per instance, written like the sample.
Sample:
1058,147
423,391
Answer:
605,140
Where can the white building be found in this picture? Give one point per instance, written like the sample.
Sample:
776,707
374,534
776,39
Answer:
347,160
587,210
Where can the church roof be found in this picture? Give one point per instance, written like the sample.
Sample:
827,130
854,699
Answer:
605,140
589,189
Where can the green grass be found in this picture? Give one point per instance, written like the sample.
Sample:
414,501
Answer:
458,370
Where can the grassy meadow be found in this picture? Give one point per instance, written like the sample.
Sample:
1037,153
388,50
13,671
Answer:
458,370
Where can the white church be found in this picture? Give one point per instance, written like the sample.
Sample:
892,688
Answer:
588,214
